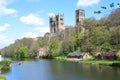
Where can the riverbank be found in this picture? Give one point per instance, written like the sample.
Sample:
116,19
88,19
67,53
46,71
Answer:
2,77
89,61
5,65
65,58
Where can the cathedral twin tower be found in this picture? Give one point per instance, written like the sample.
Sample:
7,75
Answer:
57,22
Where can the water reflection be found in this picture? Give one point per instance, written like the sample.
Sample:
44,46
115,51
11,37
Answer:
76,71
57,70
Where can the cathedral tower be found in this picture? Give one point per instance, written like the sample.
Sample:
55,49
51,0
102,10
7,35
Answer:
80,16
57,23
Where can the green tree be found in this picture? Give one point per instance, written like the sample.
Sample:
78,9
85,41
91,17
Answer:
115,38
96,40
78,40
22,52
42,42
68,42
118,55
100,36
113,19
34,49
67,46
90,23
54,46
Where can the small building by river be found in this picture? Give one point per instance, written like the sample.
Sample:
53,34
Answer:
106,55
42,52
78,55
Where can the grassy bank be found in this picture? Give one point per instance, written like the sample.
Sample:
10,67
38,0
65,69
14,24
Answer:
90,61
2,77
63,58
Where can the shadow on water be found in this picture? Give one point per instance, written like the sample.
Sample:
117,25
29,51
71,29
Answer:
77,71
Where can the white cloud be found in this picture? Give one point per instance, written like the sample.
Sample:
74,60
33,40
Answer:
4,27
51,14
30,35
4,10
4,41
42,29
85,3
32,19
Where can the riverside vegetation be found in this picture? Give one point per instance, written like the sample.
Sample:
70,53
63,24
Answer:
91,60
99,35
4,67
2,77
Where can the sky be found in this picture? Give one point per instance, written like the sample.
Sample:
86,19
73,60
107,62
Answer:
30,18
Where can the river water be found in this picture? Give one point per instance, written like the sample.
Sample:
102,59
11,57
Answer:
60,70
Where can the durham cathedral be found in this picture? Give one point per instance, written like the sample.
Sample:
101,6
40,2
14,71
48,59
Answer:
57,26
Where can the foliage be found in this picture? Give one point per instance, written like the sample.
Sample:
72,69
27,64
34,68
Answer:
114,18
99,37
2,77
106,47
112,5
54,46
22,52
115,38
5,65
6,62
67,46
118,54
61,58
68,42
42,42
90,23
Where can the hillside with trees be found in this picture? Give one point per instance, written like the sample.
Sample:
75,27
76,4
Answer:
99,35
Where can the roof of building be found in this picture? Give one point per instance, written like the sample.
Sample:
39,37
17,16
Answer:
108,53
105,53
42,49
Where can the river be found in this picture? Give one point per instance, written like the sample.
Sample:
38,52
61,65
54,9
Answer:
60,70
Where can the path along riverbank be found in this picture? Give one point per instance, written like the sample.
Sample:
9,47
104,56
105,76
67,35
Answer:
90,61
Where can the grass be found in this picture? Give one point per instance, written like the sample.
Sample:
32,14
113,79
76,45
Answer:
91,60
64,58
2,77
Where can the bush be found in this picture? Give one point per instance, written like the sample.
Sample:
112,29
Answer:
92,58
5,65
2,77
118,55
